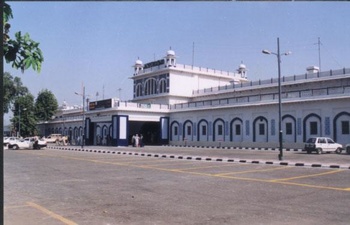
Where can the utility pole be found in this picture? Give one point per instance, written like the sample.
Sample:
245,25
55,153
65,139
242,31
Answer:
192,55
319,53
280,131
119,90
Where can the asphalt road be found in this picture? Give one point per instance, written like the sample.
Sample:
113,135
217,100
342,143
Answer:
115,186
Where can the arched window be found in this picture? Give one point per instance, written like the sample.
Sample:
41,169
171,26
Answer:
202,129
219,130
312,126
150,86
236,130
138,90
162,86
175,131
341,127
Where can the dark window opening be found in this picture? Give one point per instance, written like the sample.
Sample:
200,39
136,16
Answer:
204,130
313,128
261,129
189,130
289,129
345,128
238,129
220,130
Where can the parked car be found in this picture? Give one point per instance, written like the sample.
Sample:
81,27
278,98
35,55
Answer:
7,140
321,145
53,138
38,143
20,144
347,147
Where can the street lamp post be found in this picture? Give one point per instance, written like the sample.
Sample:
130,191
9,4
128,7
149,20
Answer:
83,121
19,120
280,131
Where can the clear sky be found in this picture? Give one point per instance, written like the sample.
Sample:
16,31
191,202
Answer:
98,42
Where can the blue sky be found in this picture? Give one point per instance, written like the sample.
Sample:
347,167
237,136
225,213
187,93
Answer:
98,42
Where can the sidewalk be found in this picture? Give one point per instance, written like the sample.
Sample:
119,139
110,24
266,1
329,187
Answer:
256,156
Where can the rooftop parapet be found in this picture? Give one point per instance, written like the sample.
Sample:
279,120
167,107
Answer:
192,69
274,81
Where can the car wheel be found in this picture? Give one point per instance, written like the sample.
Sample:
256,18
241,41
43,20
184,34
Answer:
319,151
15,147
338,151
308,151
348,150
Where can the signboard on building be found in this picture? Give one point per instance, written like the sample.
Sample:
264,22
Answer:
103,104
154,63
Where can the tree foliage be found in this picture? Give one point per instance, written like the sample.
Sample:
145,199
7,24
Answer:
24,120
12,89
22,51
45,105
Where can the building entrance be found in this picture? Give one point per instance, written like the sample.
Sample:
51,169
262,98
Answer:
150,132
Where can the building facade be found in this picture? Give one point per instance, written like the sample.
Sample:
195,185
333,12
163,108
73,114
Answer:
185,105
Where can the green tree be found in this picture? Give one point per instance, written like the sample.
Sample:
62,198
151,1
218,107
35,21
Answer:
22,51
24,119
13,88
45,105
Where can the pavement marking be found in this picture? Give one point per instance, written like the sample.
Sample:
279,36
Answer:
205,174
253,171
52,214
168,163
205,167
160,160
312,186
306,176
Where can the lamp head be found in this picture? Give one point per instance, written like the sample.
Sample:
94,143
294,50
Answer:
266,52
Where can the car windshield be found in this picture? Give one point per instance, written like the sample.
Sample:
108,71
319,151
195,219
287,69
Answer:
311,140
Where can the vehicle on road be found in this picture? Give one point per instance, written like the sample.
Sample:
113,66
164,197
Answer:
20,144
38,143
7,140
54,138
347,148
322,145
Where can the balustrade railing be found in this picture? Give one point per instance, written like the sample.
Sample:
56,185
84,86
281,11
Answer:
258,83
317,92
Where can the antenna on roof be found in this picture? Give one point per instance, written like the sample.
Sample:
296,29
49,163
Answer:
192,54
319,53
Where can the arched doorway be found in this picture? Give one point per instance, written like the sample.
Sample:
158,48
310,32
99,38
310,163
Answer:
236,134
260,129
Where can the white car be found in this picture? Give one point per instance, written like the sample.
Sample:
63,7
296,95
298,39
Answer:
322,145
37,145
8,139
20,144
53,138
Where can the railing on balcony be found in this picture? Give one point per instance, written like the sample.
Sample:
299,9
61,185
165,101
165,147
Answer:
191,68
312,93
274,81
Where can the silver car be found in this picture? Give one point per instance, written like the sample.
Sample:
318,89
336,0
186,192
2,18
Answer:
20,144
322,145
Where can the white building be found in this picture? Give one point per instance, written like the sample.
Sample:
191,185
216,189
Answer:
186,105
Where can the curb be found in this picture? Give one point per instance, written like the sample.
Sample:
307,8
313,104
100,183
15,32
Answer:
207,159
237,148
